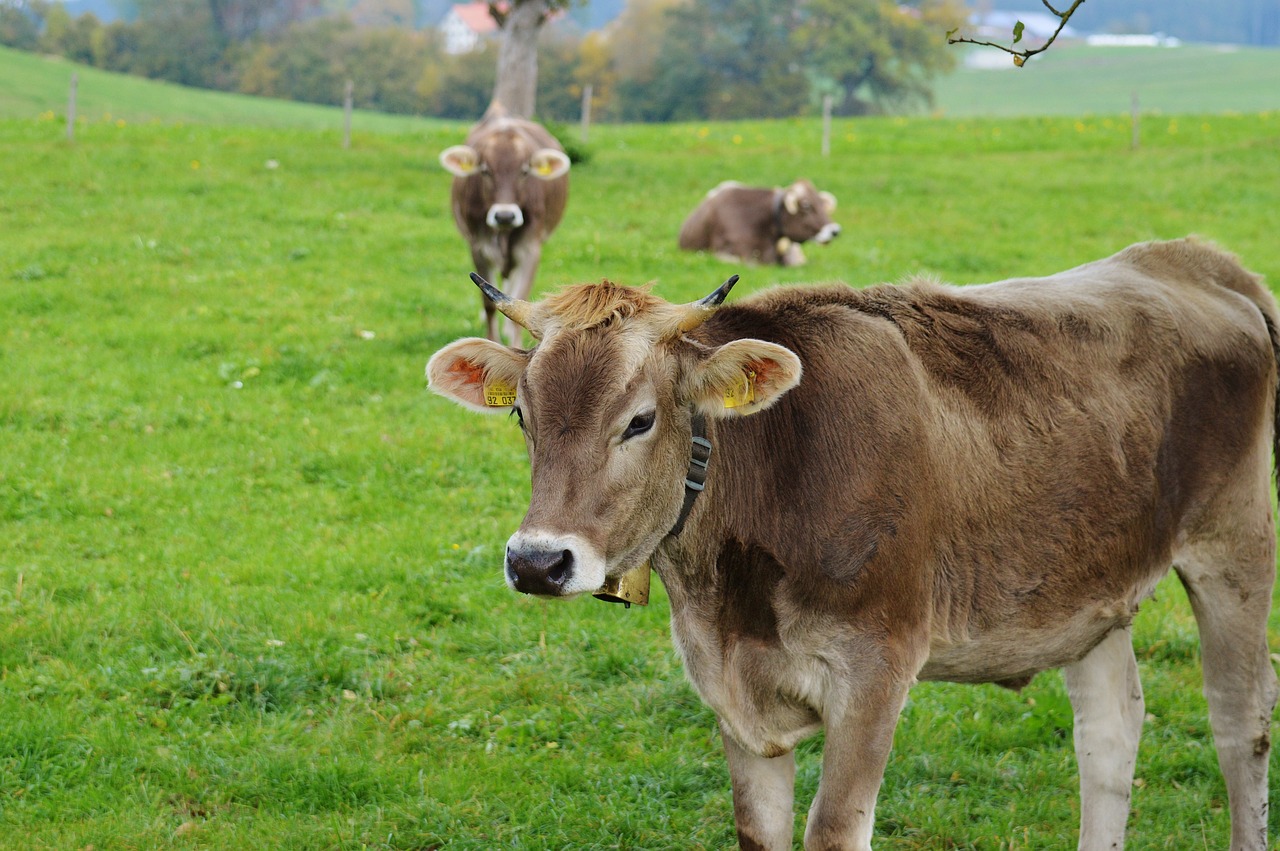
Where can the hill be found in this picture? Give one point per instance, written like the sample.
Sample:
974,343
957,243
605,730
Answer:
1077,80
36,84
1067,80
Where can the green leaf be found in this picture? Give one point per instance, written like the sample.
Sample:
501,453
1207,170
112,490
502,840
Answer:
1017,31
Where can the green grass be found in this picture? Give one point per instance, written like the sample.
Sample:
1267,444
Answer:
250,593
1077,80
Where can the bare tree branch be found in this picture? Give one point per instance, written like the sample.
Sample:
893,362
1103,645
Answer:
1020,57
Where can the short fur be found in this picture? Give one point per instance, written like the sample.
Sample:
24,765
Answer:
969,484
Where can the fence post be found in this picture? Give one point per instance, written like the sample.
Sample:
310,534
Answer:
586,113
826,125
347,94
1135,115
71,107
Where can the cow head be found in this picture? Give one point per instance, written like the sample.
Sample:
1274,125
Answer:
605,401
500,162
806,214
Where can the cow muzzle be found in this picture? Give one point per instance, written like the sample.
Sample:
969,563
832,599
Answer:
504,217
829,232
553,565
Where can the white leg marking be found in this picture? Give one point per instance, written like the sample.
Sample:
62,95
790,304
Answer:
1231,602
1106,697
763,794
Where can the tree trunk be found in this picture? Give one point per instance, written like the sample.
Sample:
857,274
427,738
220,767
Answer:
516,87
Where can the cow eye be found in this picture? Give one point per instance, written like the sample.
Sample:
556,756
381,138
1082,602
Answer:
519,415
639,424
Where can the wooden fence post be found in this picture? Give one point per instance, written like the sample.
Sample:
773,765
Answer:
347,95
1135,116
585,129
826,125
71,108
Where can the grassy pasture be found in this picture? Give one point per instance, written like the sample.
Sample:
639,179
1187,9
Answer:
249,582
1075,80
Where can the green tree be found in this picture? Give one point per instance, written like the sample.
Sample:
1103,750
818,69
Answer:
115,47
877,54
20,23
386,64
464,84
67,36
720,59
306,62
566,66
180,44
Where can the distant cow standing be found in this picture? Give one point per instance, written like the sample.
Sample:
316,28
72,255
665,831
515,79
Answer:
760,225
847,491
509,192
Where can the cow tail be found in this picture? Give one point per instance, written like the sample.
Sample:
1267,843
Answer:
1274,334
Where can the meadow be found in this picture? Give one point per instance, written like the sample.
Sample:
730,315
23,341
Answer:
1075,79
250,586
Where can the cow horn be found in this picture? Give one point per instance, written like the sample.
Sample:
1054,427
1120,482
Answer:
699,311
519,312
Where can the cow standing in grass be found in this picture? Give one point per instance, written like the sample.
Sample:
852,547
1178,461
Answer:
509,192
912,483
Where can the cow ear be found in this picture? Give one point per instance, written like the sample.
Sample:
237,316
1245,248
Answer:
548,164
741,377
478,374
460,160
828,202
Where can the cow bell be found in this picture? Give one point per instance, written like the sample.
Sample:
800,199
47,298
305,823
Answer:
630,587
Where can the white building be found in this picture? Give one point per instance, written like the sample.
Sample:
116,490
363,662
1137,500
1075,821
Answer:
464,25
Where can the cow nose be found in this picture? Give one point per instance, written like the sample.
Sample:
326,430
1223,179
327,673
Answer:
539,571
504,218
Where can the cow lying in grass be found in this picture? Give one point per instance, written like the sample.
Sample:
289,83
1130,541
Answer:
759,225
910,483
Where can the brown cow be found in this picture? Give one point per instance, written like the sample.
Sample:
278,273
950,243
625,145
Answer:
760,225
968,484
509,192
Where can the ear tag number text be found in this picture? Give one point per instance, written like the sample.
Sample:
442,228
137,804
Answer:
499,394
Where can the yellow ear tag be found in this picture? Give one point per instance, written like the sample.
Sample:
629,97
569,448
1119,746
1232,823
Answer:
499,394
544,167
741,393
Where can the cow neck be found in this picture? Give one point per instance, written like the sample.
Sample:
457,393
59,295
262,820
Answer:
696,478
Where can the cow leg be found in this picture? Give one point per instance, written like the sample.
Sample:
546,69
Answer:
525,256
1106,698
1230,592
482,257
854,756
763,793
793,255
